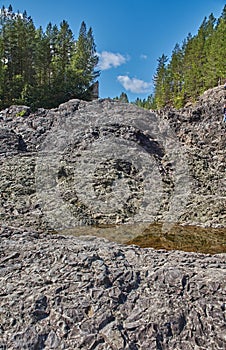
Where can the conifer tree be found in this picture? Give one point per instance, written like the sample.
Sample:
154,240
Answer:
215,66
123,97
198,65
161,82
175,77
84,61
40,68
63,49
148,103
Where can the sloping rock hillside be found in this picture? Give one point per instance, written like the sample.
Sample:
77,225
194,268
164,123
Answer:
202,130
61,292
104,162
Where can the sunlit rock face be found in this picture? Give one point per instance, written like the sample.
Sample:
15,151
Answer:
105,162
64,292
118,168
201,128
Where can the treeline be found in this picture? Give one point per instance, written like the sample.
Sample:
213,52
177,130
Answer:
44,68
195,66
148,103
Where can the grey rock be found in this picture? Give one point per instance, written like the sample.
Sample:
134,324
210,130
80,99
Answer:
105,162
54,295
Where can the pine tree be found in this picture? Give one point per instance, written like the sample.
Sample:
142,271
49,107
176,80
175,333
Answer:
161,82
189,67
17,33
44,68
175,77
215,66
84,62
64,48
195,61
148,103
123,98
198,65
2,73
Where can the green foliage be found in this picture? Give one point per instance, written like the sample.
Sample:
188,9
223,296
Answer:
84,61
123,98
161,82
148,103
43,68
193,68
21,113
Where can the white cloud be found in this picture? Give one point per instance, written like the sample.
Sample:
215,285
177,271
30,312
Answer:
133,84
109,60
143,57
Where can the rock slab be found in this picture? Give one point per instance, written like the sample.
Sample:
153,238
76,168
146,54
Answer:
62,292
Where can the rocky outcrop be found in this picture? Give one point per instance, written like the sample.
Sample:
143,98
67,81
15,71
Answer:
105,162
60,292
201,128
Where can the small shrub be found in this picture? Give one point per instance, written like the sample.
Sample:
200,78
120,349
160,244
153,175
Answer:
21,113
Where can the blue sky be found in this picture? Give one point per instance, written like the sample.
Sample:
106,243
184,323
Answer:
130,35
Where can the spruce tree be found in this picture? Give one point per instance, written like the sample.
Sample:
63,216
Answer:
43,69
175,77
161,82
84,62
123,97
215,66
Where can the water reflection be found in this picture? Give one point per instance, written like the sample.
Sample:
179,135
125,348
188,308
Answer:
181,237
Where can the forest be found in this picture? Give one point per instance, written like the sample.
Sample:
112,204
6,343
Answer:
43,68
195,66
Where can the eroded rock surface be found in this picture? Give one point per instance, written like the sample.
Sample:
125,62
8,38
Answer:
105,162
64,292
61,292
201,128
